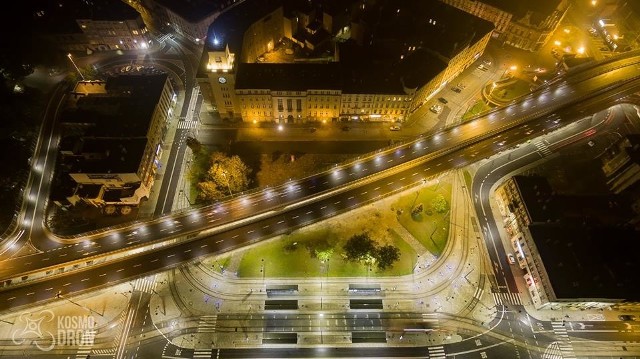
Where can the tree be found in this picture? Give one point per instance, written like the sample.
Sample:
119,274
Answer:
324,255
439,204
359,247
386,255
194,145
225,176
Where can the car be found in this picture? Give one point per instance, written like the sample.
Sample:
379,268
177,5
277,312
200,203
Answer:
443,100
436,109
627,317
346,128
482,67
511,258
456,89
394,128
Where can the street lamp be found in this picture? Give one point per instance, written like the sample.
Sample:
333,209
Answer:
76,66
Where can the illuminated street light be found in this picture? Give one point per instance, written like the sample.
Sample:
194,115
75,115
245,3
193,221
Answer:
76,66
224,174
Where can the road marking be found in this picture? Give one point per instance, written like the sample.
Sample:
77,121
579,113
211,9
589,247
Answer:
137,265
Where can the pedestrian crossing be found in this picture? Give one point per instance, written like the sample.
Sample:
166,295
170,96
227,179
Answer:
86,343
202,353
436,352
507,298
185,125
207,324
543,148
146,285
564,342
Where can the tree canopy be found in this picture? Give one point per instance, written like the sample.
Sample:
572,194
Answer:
361,247
226,175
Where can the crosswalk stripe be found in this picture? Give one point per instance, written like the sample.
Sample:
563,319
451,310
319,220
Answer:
185,125
202,353
507,298
436,352
542,148
564,342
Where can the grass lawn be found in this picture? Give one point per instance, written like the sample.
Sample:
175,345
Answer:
479,107
294,255
513,91
429,227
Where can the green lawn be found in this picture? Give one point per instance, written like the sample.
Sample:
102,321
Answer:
428,227
479,107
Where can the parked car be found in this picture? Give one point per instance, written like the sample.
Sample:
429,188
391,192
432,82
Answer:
627,317
436,109
443,100
457,89
511,258
394,128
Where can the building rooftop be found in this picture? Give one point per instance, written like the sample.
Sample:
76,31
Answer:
537,195
107,155
126,108
292,77
589,263
194,10
540,9
60,16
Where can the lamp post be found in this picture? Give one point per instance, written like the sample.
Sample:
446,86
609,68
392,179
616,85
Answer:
76,66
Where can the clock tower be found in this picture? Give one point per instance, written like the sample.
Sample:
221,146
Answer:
221,73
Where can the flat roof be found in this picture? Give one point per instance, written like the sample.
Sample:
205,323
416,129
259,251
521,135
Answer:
291,77
589,262
60,16
537,195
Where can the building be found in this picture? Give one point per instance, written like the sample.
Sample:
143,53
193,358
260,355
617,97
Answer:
575,251
354,62
113,133
621,164
189,18
99,25
526,25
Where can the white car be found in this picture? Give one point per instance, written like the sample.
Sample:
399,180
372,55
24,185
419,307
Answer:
394,128
436,109
511,258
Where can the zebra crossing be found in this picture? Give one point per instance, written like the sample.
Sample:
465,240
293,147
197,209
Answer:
86,343
436,352
185,125
564,343
202,353
507,298
207,324
542,148
145,285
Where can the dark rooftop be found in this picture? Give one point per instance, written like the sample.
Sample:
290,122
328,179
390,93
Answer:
193,10
519,9
126,109
537,195
294,77
60,16
584,262
107,155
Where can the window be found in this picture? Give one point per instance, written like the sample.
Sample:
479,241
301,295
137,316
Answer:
299,104
289,104
280,107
